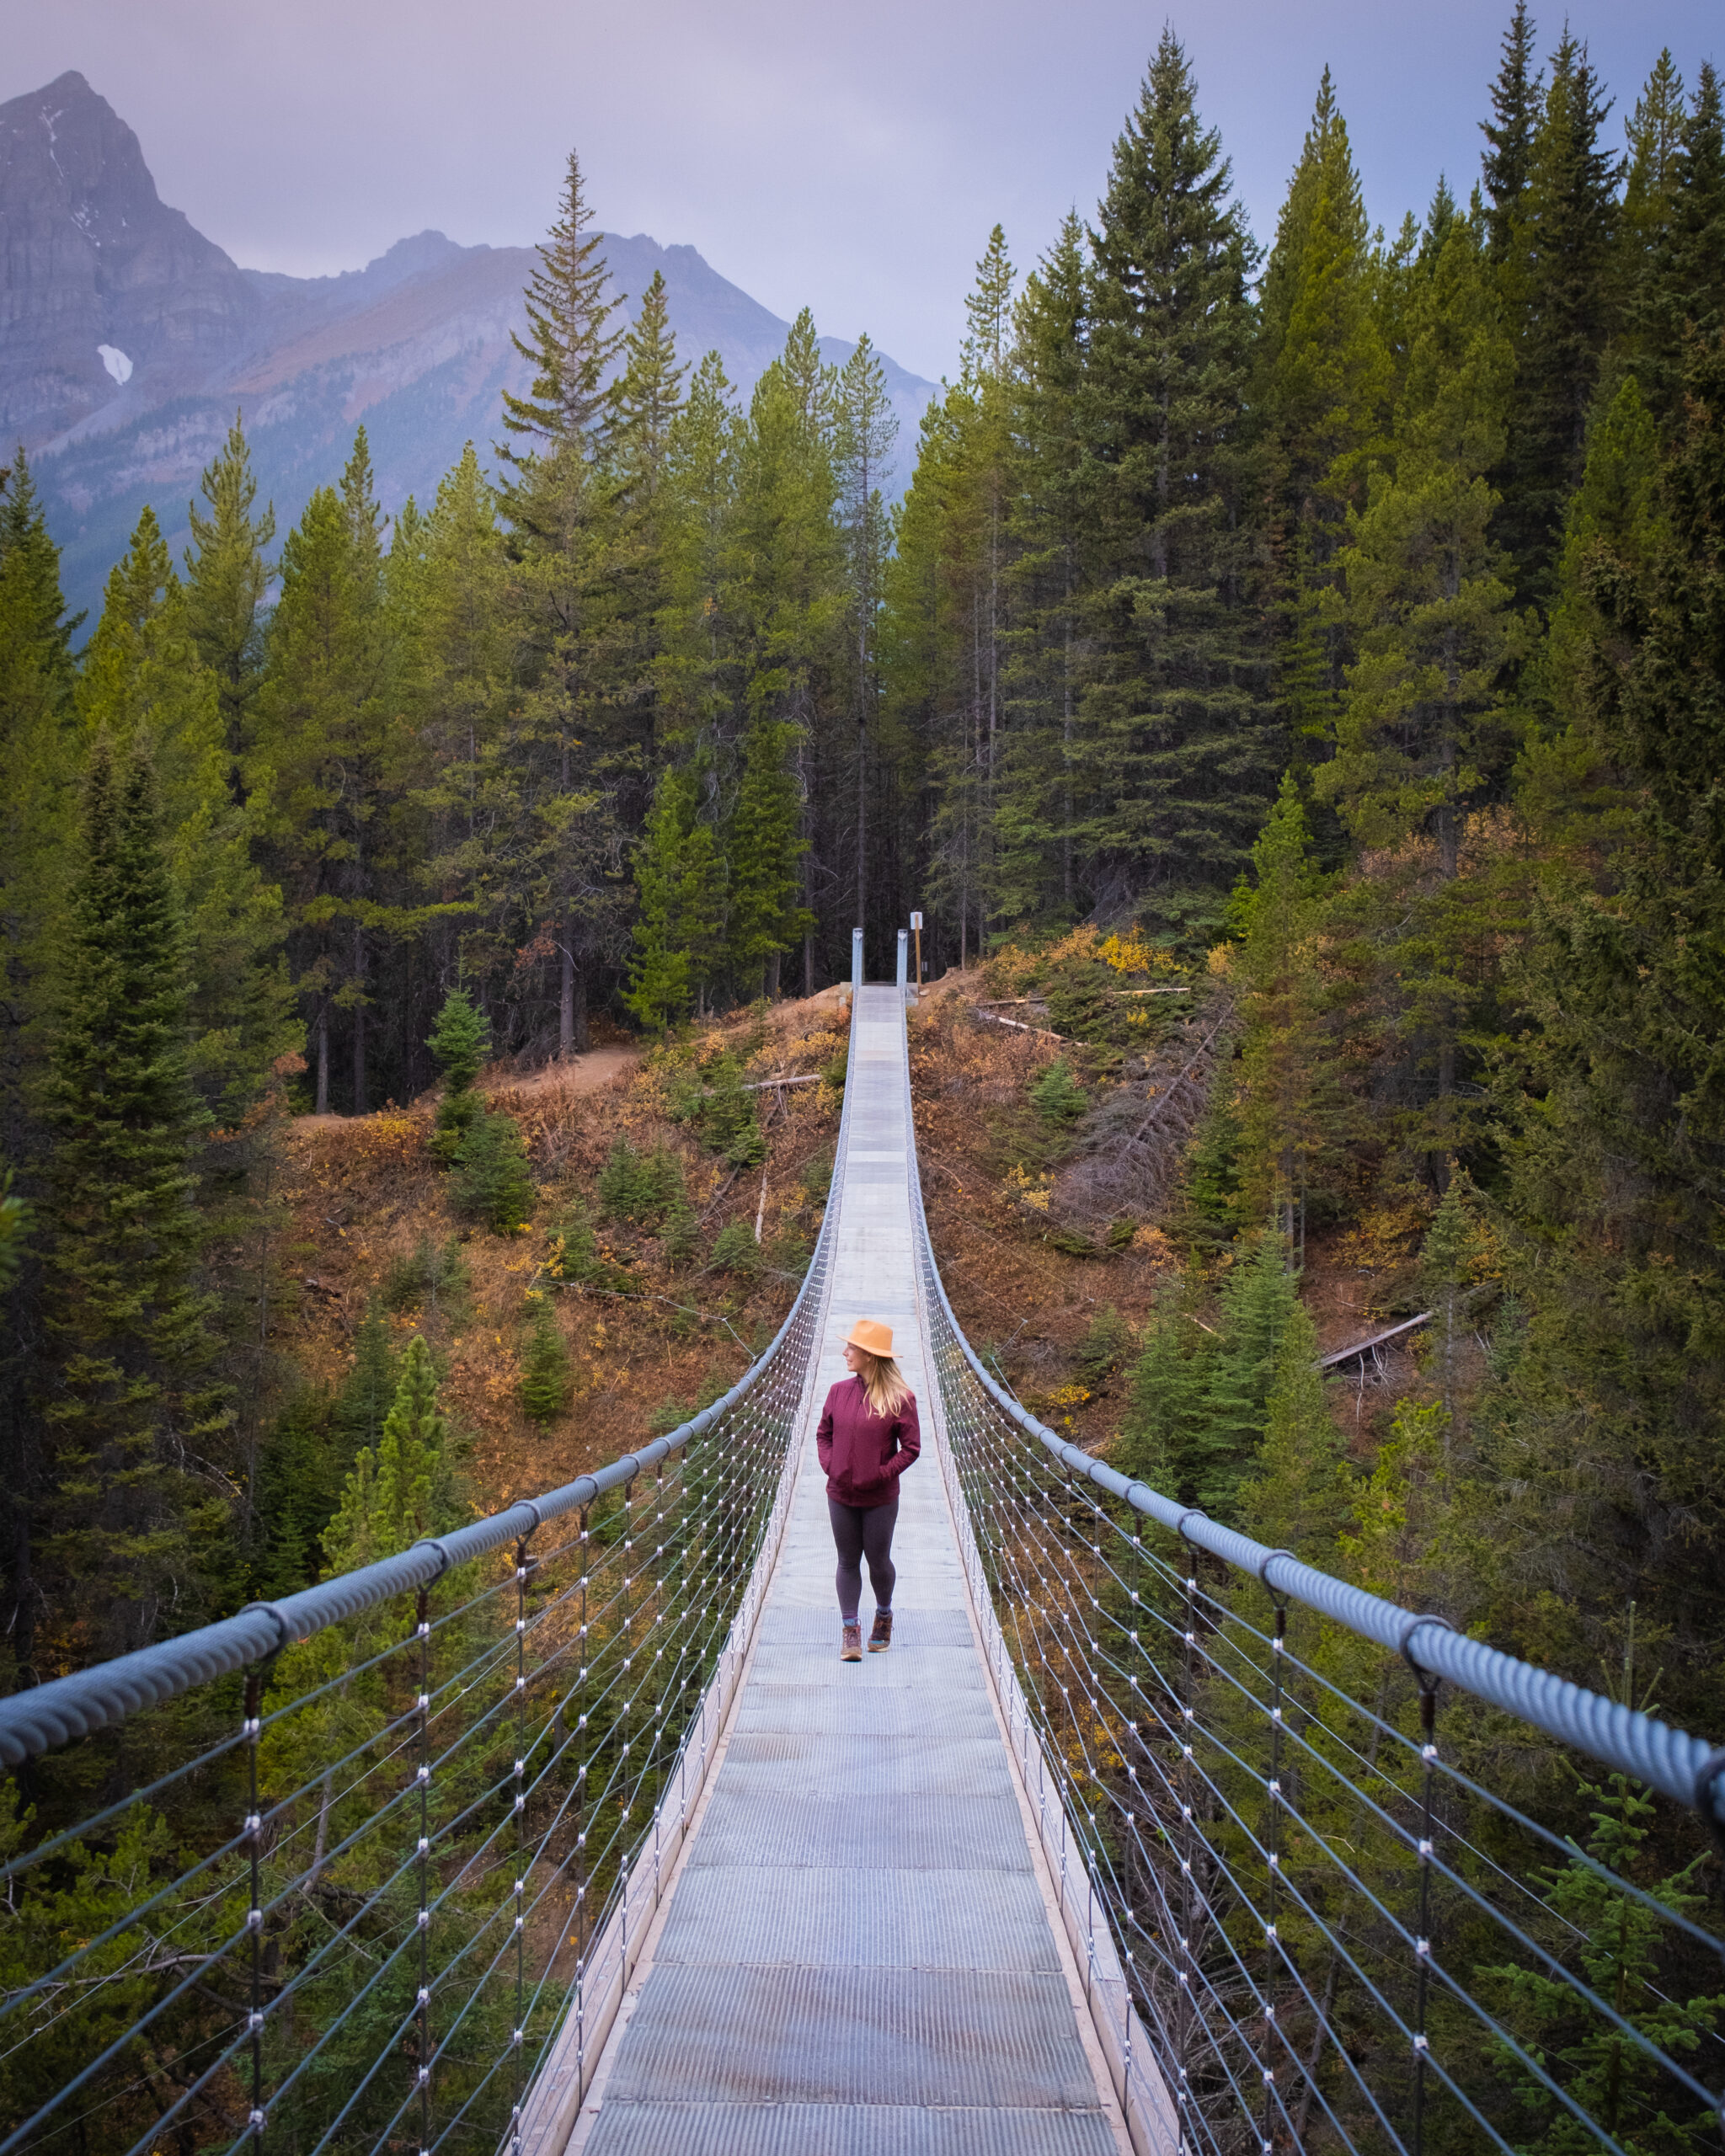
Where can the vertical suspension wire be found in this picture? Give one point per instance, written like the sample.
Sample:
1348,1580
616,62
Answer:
1423,1932
577,1815
422,1632
518,2025
253,1712
1273,1863
1188,1913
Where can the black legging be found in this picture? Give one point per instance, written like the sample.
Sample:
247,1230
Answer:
860,1531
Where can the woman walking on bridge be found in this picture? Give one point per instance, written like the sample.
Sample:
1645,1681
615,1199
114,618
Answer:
868,1436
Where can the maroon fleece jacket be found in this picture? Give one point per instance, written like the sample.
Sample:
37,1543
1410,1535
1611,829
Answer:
862,1454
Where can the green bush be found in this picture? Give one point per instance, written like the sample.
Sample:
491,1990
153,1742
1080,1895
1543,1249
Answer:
1104,1348
460,1042
545,1363
434,1280
491,1182
736,1251
682,1234
639,1187
715,1102
815,1177
1057,1096
789,1253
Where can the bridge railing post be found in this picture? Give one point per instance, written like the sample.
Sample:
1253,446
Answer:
856,959
904,960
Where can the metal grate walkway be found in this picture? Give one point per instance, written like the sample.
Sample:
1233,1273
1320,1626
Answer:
857,1957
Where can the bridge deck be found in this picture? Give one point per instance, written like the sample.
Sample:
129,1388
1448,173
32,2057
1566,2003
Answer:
857,1955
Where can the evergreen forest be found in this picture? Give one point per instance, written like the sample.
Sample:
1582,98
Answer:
1341,619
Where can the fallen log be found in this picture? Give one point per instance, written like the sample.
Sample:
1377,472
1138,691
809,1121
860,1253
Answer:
1377,1339
1018,1026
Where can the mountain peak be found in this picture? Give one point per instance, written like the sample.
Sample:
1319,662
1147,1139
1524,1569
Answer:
96,265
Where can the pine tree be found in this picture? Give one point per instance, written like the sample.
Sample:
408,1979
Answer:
568,344
1516,97
143,681
357,1413
1679,283
38,751
569,740
1175,754
491,1182
1425,735
764,843
403,1488
1258,1301
661,973
1051,482
1166,1424
1617,1123
458,683
129,1529
698,678
227,576
319,757
545,1363
1296,1496
787,592
1283,1131
1562,297
866,428
646,398
1324,380
459,1042
947,626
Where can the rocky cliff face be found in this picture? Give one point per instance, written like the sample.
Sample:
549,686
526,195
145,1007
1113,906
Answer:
101,286
128,342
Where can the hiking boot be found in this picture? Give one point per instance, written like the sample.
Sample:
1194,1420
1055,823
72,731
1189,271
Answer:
881,1638
851,1647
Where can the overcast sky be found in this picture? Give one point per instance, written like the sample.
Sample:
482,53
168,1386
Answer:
854,158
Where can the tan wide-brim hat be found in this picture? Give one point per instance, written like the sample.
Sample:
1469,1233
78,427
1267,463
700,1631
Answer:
873,1338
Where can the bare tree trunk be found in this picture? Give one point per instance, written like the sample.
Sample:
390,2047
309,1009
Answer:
323,1058
1067,750
566,997
359,1022
584,1038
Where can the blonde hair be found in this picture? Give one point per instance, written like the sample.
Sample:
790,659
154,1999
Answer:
882,1380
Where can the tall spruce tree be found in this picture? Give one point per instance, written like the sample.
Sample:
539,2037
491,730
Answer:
39,754
226,578
865,431
1560,285
646,399
318,756
788,602
1425,732
1175,752
1052,479
1678,270
1517,95
569,343
143,681
1324,381
126,1522
574,633
458,682
1606,1445
679,933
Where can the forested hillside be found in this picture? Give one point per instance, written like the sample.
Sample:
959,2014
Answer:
1333,631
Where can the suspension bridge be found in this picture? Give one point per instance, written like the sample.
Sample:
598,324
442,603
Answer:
568,1832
